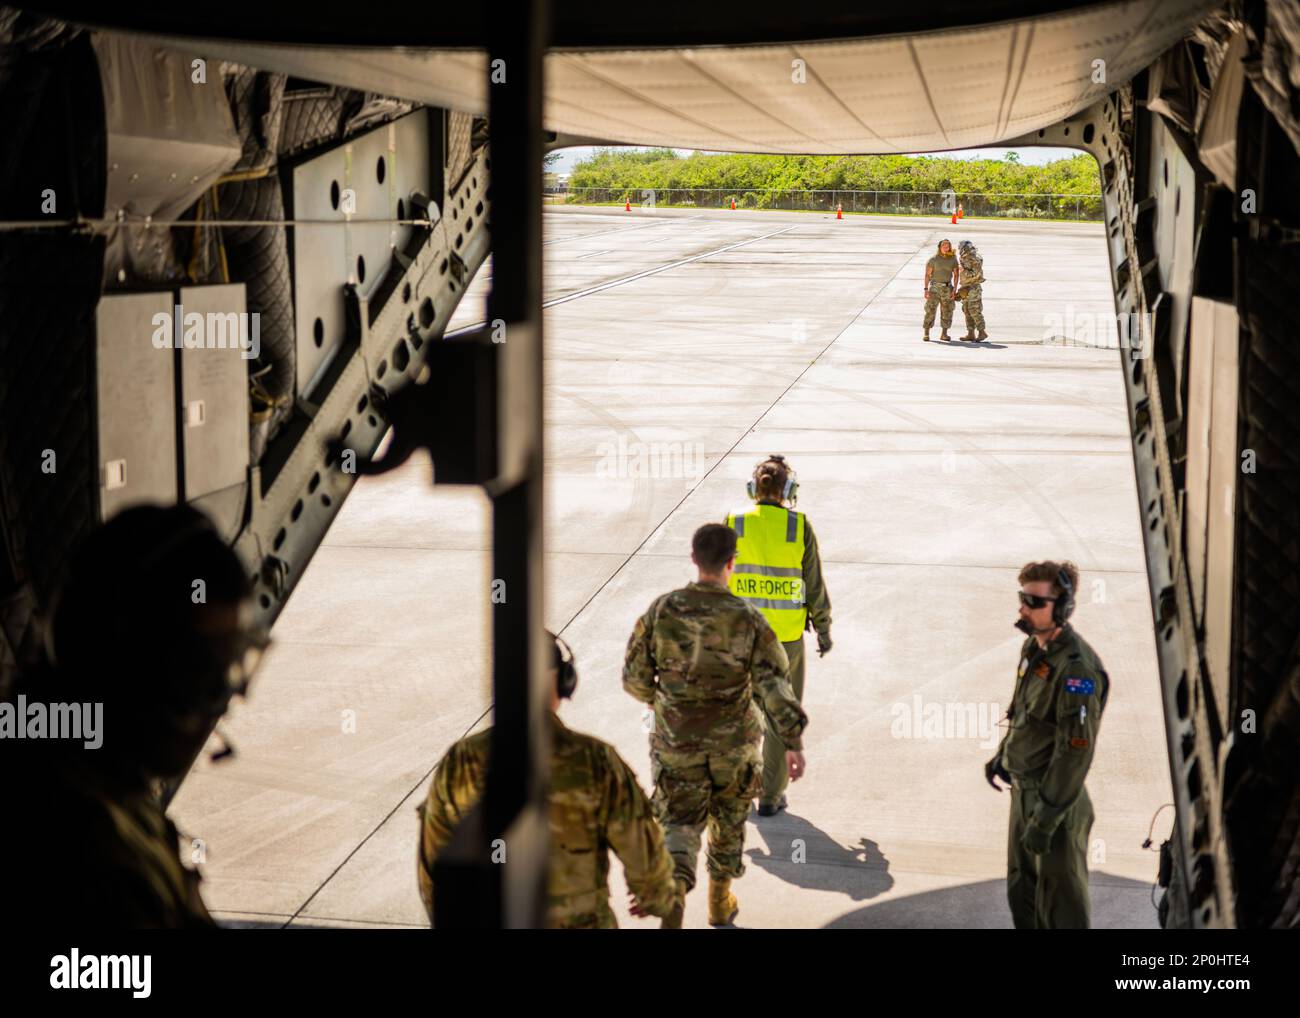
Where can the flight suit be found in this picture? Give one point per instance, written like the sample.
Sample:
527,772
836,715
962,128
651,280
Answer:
815,612
595,805
1056,711
713,668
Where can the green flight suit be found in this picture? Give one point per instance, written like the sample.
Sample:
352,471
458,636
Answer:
1056,711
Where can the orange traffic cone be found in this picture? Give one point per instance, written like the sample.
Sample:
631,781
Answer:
954,219
839,211
960,211
627,206
733,204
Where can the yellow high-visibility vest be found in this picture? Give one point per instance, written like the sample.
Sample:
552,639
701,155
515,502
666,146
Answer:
769,565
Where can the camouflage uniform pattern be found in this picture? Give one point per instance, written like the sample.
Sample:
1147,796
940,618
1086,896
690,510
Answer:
1048,748
714,670
92,854
595,805
940,296
972,280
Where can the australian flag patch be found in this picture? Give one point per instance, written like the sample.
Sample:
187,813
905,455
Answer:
1083,687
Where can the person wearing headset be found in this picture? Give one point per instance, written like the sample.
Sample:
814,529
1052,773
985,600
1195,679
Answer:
779,572
150,637
595,804
1061,690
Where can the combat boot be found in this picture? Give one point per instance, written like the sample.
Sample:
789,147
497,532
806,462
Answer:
983,336
926,337
673,920
723,906
945,337
969,337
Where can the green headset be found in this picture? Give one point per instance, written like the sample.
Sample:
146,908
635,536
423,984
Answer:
790,491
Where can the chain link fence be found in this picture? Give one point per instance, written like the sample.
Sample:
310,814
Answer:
1085,207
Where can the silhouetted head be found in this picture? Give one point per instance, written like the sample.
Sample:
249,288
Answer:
152,621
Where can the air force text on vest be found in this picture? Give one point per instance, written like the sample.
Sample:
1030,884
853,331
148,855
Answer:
102,972
37,720
230,330
785,588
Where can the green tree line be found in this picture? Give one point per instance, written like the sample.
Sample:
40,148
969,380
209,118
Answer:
625,173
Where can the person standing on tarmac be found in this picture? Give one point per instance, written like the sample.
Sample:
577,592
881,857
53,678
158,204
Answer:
713,668
940,282
971,291
1061,690
595,804
779,572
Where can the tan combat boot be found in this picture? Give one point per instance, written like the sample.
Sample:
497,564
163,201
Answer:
983,336
969,337
673,920
945,337
926,337
723,906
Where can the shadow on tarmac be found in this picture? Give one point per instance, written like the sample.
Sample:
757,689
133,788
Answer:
1117,903
957,344
806,856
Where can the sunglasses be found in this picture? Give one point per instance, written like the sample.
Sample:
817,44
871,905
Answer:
1034,600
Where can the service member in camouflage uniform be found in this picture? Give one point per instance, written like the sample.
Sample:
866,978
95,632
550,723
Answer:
94,849
713,668
971,291
940,276
779,572
1061,690
595,805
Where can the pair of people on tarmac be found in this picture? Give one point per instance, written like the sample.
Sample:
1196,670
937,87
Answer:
943,287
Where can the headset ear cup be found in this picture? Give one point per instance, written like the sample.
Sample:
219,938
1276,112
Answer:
1063,606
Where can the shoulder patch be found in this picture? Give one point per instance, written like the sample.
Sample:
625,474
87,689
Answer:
1080,686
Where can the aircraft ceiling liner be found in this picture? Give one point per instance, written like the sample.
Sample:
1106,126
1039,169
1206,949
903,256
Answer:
947,89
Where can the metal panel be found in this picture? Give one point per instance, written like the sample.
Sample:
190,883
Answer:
214,397
1225,468
1200,420
137,401
1173,180
327,257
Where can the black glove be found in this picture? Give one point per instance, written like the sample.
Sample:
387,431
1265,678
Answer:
823,643
993,769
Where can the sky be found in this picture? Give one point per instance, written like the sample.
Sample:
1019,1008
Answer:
1031,156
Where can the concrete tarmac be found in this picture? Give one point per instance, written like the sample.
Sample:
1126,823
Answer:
683,346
